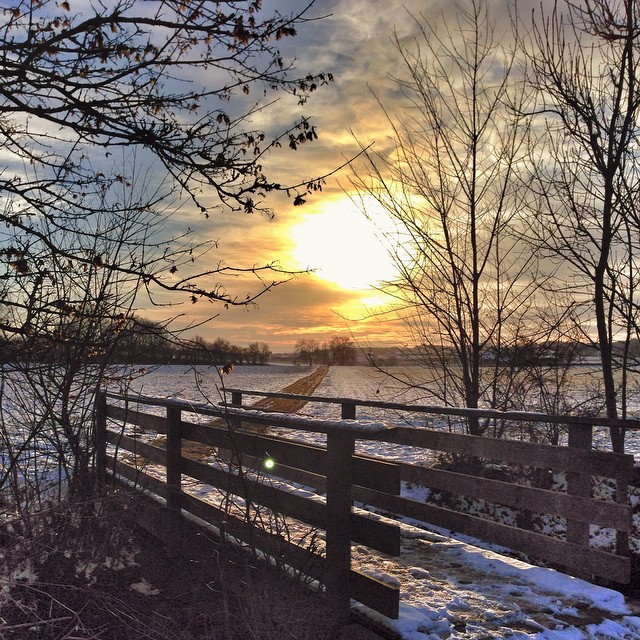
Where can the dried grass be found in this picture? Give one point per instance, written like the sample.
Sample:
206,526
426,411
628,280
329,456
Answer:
71,578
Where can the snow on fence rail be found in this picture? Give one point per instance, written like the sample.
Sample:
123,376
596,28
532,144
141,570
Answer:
344,476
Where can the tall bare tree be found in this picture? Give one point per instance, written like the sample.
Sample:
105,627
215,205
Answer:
449,182
585,60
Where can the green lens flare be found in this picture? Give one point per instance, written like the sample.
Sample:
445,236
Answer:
269,463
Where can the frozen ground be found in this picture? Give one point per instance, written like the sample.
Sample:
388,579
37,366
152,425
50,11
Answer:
450,588
206,384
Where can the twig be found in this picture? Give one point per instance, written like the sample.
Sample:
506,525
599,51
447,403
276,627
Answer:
34,623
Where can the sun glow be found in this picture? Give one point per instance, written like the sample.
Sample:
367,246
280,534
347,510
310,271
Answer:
342,246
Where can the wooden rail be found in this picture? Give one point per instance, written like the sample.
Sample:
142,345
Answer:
345,477
336,468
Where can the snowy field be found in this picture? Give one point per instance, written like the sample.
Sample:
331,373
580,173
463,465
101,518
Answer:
450,588
206,384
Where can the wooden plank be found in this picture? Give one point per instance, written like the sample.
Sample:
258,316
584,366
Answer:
227,523
211,435
276,547
596,562
494,414
599,512
138,418
365,429
136,476
348,410
367,470
370,472
174,457
375,594
622,498
295,505
314,481
135,447
579,484
377,535
602,463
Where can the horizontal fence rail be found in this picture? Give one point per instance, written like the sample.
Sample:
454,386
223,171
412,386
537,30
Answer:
241,440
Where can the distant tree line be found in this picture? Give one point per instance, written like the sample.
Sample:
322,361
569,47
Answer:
132,341
339,350
199,351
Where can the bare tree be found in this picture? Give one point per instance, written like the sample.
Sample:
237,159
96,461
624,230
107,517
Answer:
341,350
144,342
258,353
449,182
76,314
265,353
307,349
585,60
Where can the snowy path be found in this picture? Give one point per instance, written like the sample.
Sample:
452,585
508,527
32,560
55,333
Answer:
452,589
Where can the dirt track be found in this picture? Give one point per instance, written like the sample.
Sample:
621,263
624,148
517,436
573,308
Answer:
304,386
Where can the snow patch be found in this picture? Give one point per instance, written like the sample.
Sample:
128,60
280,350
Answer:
145,588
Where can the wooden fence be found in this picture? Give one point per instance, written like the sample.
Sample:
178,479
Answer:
242,440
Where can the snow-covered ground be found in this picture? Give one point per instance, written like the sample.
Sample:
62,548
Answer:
450,587
206,384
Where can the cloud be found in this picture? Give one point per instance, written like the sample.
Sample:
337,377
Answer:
354,43
301,308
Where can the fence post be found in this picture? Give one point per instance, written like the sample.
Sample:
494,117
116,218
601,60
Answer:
348,411
579,484
100,436
236,401
340,448
174,458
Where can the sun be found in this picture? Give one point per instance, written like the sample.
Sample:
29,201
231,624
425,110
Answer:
342,246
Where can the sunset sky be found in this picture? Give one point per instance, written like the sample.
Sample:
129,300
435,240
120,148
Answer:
328,233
